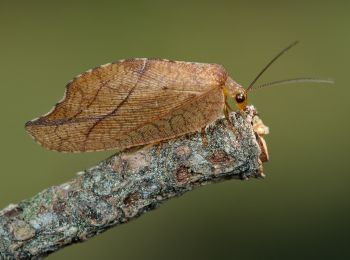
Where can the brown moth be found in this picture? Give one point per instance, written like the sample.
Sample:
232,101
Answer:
136,102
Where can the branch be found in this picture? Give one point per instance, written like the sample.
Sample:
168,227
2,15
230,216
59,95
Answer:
129,184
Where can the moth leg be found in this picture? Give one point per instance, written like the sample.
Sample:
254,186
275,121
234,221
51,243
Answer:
204,137
227,110
159,148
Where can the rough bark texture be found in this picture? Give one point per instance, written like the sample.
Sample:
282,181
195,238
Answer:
129,184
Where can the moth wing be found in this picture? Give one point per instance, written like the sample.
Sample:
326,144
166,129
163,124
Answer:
189,117
121,104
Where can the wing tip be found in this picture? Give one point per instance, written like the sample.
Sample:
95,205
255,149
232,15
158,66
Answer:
29,124
33,132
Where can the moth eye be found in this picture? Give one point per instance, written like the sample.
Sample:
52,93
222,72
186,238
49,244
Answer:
240,98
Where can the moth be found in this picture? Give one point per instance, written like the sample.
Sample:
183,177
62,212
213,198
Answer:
140,101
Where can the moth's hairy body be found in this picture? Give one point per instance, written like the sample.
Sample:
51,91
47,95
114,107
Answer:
133,102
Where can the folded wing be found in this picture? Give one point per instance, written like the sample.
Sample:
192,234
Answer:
130,103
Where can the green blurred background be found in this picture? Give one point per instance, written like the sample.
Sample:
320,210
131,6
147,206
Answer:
300,211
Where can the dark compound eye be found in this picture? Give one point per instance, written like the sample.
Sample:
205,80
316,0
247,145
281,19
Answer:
240,98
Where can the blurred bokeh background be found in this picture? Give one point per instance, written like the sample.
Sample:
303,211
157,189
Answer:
300,211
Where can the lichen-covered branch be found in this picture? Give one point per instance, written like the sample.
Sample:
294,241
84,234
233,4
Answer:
129,184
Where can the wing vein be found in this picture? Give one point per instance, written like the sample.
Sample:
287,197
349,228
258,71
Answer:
141,72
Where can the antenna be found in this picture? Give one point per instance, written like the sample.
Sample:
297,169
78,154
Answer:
295,80
269,64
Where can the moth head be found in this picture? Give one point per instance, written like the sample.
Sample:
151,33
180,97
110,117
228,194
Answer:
239,97
235,92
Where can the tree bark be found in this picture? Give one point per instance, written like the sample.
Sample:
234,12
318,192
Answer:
131,183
